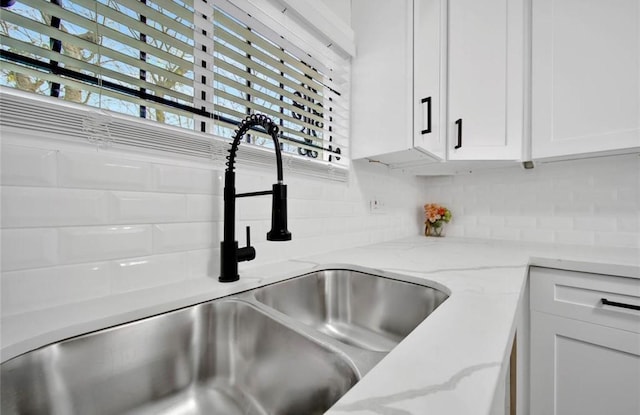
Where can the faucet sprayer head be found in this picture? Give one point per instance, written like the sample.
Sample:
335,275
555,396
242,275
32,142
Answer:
279,231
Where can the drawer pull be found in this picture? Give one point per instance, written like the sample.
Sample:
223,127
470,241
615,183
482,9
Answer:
621,305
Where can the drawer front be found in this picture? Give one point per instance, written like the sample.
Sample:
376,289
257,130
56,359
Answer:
580,295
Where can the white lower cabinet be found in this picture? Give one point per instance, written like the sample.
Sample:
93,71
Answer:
585,355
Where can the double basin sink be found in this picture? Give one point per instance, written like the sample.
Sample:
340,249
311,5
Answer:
293,347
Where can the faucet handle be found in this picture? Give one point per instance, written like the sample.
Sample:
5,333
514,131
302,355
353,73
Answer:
248,253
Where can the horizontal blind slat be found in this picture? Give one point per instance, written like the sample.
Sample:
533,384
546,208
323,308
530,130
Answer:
250,36
262,82
275,101
230,53
70,62
66,37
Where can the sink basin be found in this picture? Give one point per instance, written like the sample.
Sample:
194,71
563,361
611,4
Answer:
223,357
362,310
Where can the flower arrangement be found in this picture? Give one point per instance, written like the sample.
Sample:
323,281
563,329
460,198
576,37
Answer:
435,217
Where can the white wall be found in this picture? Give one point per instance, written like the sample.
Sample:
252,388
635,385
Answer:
587,202
80,223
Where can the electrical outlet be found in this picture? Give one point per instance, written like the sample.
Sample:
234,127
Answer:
376,205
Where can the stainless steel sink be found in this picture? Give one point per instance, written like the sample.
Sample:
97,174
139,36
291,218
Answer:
223,357
363,310
293,347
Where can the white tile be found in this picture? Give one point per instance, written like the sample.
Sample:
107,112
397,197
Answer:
253,181
25,166
559,223
477,231
628,223
171,237
29,248
537,235
491,221
595,223
145,272
572,209
590,195
93,243
32,207
510,234
618,239
254,208
38,289
100,171
574,237
168,178
204,263
142,207
520,222
204,208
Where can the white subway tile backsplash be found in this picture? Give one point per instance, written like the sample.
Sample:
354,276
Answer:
98,171
25,166
594,223
577,237
585,202
492,221
144,207
171,237
619,239
628,223
510,234
93,243
37,289
573,209
177,179
204,263
520,222
29,248
254,208
133,274
204,208
537,235
555,222
477,231
37,207
588,195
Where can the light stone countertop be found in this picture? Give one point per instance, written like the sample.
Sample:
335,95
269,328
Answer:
450,364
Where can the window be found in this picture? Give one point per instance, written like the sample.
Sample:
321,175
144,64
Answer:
193,64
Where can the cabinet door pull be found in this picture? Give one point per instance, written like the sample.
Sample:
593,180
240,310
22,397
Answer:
621,305
459,124
427,115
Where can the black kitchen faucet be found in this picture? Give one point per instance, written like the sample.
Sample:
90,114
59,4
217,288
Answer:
230,254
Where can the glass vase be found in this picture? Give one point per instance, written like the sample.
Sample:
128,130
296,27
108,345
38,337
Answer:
434,229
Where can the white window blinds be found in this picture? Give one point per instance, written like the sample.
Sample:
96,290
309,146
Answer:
194,64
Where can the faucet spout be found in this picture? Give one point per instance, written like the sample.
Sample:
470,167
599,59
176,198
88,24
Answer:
230,254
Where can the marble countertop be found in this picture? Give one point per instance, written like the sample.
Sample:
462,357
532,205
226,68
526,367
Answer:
451,363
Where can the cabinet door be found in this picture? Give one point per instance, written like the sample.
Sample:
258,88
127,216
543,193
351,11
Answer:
429,73
583,368
381,86
585,76
485,79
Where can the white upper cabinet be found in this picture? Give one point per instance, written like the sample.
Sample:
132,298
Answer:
422,65
486,79
585,77
383,83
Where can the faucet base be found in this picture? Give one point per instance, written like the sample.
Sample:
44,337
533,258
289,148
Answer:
227,279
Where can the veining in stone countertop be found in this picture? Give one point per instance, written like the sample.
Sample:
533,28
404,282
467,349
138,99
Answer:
450,364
